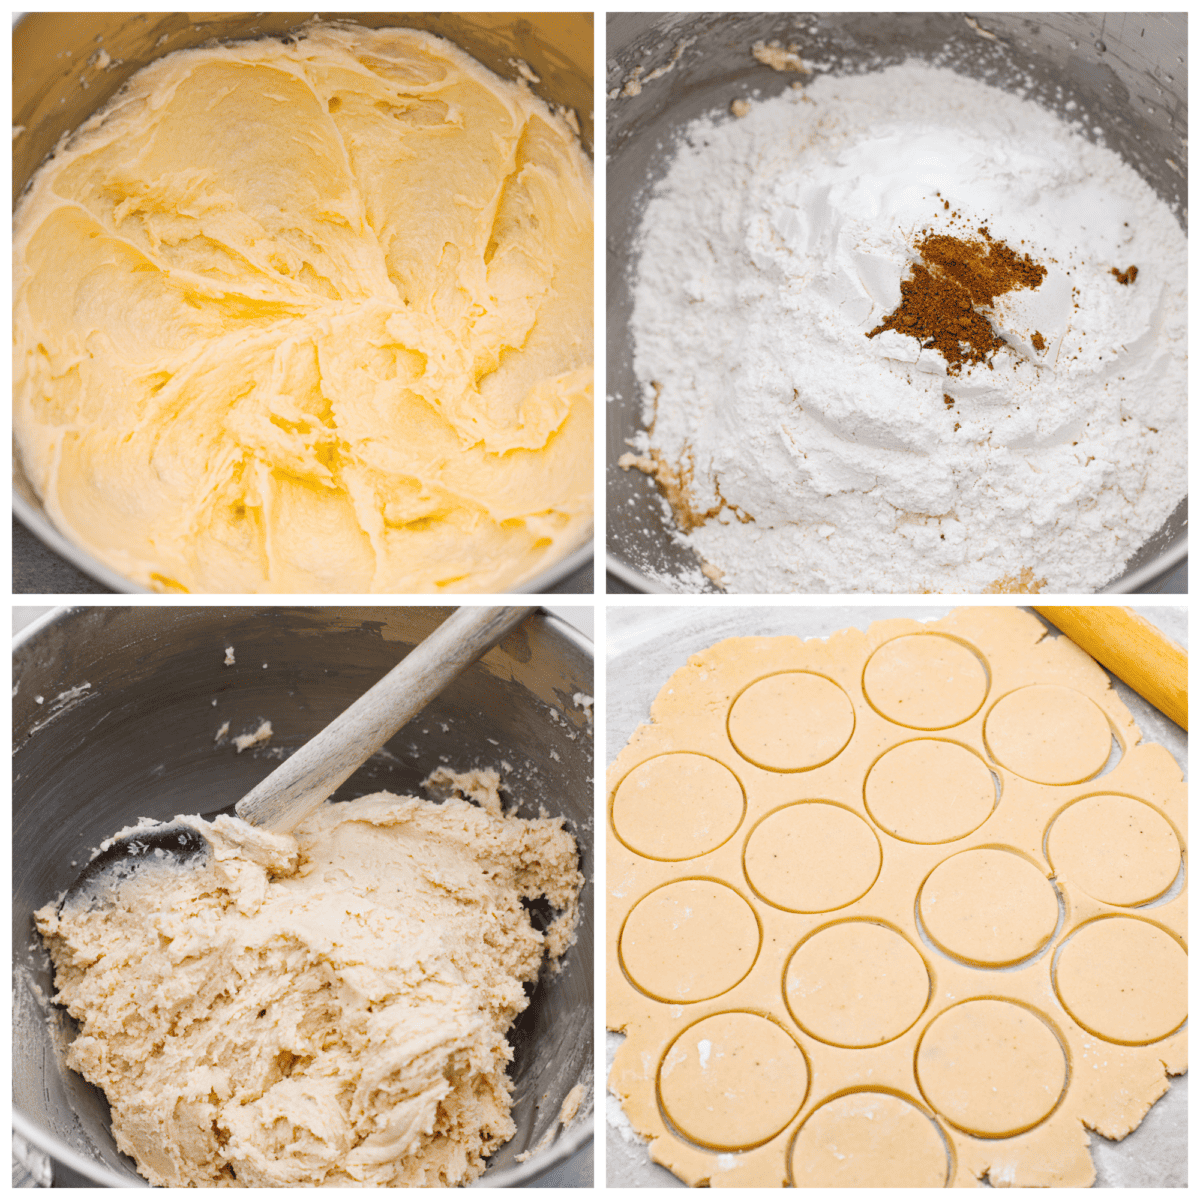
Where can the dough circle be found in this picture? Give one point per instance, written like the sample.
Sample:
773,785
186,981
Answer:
794,721
678,806
868,1139
1124,980
925,681
1117,849
989,907
733,1081
689,940
856,984
930,791
1048,734
991,1068
812,857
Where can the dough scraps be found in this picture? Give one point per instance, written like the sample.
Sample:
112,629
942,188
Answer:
311,316
919,962
324,1008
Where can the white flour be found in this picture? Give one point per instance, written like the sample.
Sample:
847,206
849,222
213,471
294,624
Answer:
816,459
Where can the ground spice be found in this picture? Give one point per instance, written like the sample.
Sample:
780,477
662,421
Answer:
1126,277
940,299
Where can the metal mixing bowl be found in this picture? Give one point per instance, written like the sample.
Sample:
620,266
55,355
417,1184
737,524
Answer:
114,712
58,83
1128,71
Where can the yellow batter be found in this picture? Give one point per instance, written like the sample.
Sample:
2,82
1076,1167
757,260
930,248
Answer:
313,317
327,1009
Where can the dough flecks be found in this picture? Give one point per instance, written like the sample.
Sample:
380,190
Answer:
324,1009
311,317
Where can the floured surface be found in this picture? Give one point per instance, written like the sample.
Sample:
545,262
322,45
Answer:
1110,1084
324,1009
311,316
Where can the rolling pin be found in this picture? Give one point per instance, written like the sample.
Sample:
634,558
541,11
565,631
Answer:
1135,651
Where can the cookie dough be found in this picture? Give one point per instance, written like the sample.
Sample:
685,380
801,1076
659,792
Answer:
689,941
991,1068
957,1022
930,791
1048,734
868,1139
1115,848
989,907
312,316
733,1080
678,806
323,1009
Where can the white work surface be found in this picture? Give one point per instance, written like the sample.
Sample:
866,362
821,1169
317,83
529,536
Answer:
645,645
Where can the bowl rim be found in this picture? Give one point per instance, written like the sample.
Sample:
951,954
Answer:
569,1141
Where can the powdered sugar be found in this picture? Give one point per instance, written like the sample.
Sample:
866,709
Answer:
812,458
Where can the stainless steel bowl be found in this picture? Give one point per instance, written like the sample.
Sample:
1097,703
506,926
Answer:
58,84
113,718
1128,70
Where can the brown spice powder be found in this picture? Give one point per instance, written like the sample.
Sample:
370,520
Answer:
1127,276
956,277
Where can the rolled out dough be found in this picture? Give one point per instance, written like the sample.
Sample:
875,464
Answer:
971,817
323,1009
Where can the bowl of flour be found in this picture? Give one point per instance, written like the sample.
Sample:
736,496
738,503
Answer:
896,304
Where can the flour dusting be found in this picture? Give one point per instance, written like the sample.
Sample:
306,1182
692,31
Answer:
799,452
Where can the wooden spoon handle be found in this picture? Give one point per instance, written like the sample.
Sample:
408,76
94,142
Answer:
1132,649
301,784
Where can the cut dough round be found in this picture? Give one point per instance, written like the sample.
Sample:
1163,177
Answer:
991,1068
869,1139
925,681
856,984
1124,980
1048,734
812,857
733,1081
930,791
791,722
1115,848
690,940
989,907
677,806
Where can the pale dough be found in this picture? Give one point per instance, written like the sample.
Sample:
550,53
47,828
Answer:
930,791
922,1067
791,722
869,1139
925,681
855,984
689,941
1115,848
989,906
1048,734
991,1068
1123,979
677,806
311,316
733,1080
812,857
324,1009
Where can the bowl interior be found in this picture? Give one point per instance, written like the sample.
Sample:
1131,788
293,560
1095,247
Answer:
130,700
1135,88
58,83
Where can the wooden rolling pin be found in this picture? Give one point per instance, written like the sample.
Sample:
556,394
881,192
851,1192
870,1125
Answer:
1135,651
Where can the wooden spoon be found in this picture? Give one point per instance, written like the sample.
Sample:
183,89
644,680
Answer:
304,781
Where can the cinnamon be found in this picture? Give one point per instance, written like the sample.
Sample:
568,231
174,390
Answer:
942,296
1127,276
